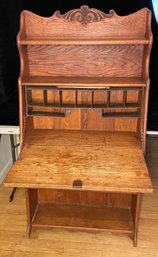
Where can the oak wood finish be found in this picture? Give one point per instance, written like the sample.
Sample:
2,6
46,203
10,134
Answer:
90,218
78,61
84,198
102,164
83,96
135,208
31,204
86,43
79,82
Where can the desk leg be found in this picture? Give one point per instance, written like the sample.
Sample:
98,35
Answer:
31,206
135,208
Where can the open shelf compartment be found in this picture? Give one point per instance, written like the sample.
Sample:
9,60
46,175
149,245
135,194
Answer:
85,218
116,103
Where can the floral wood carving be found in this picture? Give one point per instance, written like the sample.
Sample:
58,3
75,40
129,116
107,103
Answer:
85,15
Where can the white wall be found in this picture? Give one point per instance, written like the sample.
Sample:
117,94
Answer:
5,156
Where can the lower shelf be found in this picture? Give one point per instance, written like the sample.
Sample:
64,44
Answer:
84,218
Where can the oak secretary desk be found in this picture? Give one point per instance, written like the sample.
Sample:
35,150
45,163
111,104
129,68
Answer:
83,90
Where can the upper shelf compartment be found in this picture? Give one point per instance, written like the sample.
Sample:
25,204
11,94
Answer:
85,26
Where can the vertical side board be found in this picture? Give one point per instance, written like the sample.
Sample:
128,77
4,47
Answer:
135,210
31,206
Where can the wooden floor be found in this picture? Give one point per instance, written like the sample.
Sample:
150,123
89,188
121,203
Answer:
57,242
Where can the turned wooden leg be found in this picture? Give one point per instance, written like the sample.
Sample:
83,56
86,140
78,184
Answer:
135,209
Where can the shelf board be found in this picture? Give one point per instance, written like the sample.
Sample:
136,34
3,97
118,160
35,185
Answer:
106,115
84,106
86,41
47,114
102,161
112,115
84,218
82,82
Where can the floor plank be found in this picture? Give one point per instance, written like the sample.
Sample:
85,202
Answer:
6,253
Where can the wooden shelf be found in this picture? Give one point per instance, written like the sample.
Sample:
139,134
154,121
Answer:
85,218
126,40
111,162
126,109
109,115
85,106
80,82
105,115
47,114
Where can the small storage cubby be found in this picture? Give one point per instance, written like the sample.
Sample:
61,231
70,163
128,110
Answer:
42,100
54,209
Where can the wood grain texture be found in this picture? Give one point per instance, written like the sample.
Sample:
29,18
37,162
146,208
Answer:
100,167
89,60
135,211
84,198
31,206
113,40
83,218
86,82
134,24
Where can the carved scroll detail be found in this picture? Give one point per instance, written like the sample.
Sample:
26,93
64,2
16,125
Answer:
85,15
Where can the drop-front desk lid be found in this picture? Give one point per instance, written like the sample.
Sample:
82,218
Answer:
87,160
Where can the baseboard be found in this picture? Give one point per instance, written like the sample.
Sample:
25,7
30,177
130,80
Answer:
5,170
